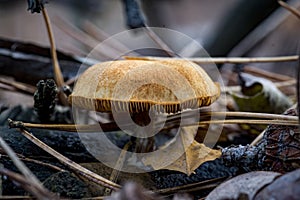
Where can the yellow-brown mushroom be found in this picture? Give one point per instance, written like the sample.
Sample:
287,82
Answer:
136,86
106,86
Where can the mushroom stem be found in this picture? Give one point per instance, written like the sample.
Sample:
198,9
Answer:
142,145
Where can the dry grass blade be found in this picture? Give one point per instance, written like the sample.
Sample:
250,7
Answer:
266,74
220,60
10,197
173,119
38,192
36,187
71,164
118,166
28,89
106,51
261,31
159,41
183,188
293,10
248,121
71,127
281,84
57,71
258,138
100,35
249,115
58,76
253,115
39,163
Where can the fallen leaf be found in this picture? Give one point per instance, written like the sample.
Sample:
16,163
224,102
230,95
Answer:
284,187
188,152
244,186
195,155
260,95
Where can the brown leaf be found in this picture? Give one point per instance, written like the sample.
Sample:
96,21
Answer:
195,155
183,154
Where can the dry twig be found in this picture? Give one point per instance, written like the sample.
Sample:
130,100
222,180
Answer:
293,10
196,186
106,52
261,118
28,89
71,164
34,185
159,41
38,192
100,35
57,70
221,60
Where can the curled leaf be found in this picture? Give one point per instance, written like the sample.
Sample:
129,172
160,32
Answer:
260,95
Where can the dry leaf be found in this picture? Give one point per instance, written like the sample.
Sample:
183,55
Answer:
195,155
284,187
260,95
188,152
244,186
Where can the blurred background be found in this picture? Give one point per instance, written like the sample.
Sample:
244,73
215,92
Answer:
224,28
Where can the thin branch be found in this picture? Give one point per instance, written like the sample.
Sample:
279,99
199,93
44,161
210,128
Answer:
293,10
220,60
262,31
159,41
10,197
253,115
191,113
72,80
72,127
39,190
118,166
105,53
237,88
175,118
258,138
57,71
247,121
56,68
187,186
28,89
39,163
34,189
100,35
298,86
71,164
266,74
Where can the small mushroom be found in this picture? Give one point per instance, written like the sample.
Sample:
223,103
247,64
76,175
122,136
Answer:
138,86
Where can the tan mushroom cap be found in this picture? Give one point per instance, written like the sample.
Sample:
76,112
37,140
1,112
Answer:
137,85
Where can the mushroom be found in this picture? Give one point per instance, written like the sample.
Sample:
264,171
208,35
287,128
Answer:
138,86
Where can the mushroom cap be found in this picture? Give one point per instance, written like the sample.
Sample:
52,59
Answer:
138,85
